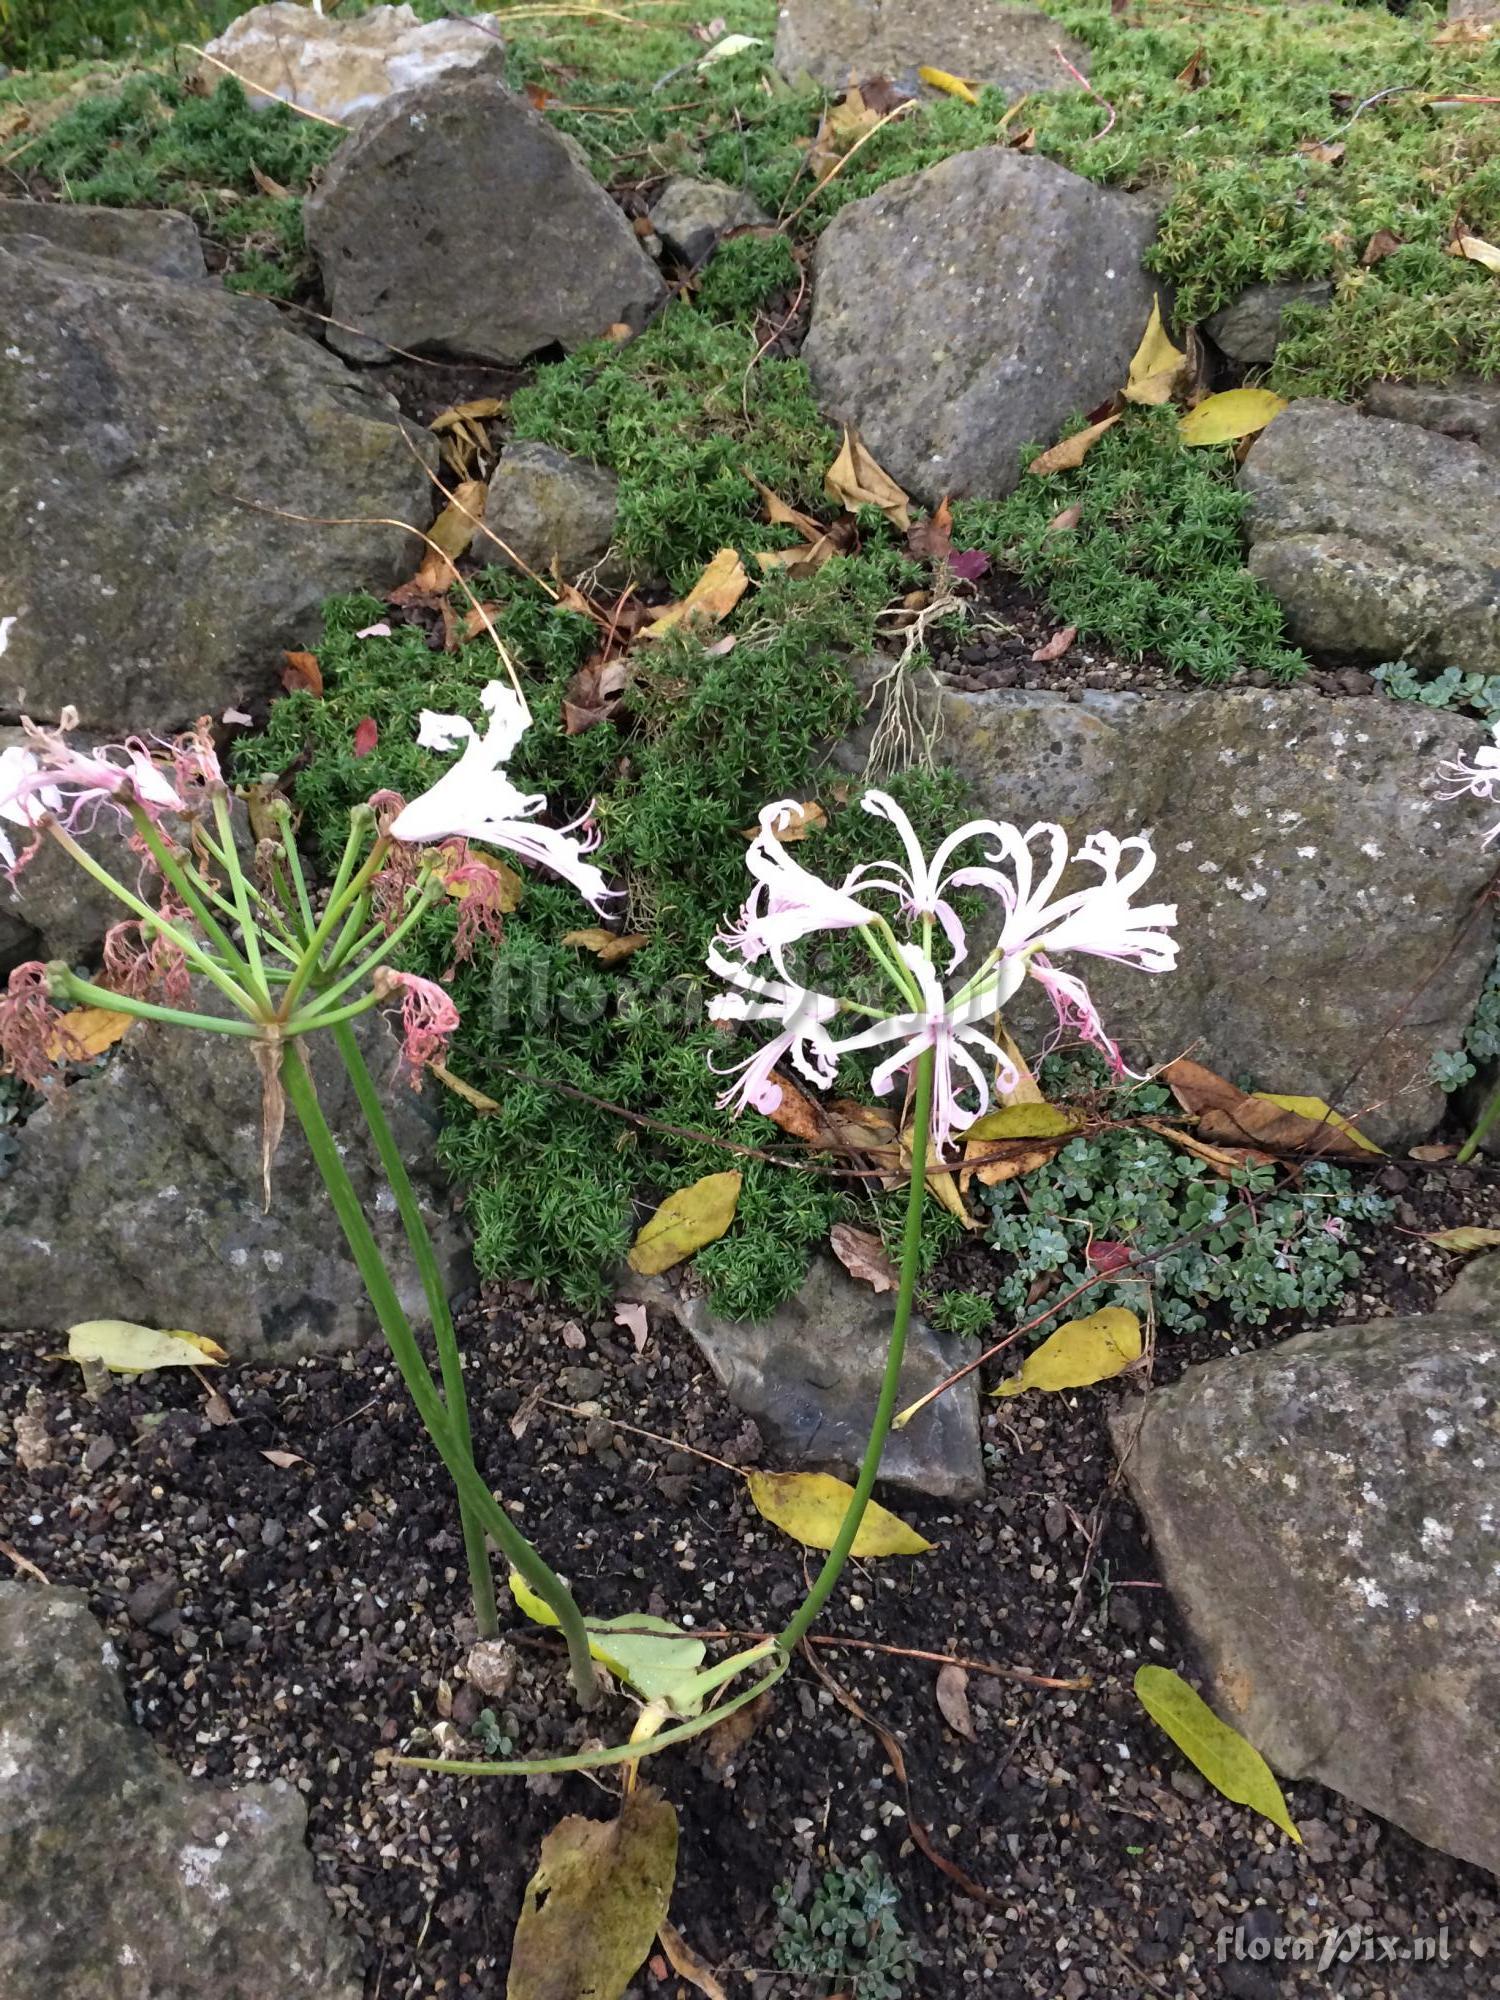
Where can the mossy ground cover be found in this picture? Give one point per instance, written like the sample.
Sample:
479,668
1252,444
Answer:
685,413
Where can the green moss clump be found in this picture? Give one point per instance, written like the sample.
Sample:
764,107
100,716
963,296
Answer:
1156,562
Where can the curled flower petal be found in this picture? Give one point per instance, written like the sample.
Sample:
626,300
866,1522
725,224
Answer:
1479,779
428,1017
28,1025
788,902
23,808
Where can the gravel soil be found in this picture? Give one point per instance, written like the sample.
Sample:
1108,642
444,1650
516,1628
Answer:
306,1617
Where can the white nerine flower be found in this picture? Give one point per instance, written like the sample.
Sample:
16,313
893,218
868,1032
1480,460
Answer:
1480,780
23,804
788,901
476,800
804,1034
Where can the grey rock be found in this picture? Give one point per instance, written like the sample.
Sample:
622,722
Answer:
1325,1515
342,68
839,41
690,216
531,254
1248,331
122,1879
137,1195
1474,10
810,1374
1476,1289
1290,830
1464,407
1377,538
137,419
549,507
1020,300
157,240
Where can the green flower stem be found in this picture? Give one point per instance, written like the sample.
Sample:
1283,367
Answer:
203,961
249,934
885,1408
1478,1136
615,1753
66,985
288,945
303,1098
281,812
881,942
348,886
450,1361
309,1023
383,950
190,890
358,934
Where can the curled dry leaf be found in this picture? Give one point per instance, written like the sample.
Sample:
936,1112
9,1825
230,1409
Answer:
86,1032
632,1316
457,525
842,124
685,1221
301,674
855,480
781,514
724,1743
1057,645
478,409
1465,1241
467,1091
609,947
1380,245
283,1460
1223,1159
795,824
593,694
1157,366
1477,251
863,1256
1065,520
931,540
711,598
953,1700
128,1349
1327,152
687,1964
1070,454
1230,1116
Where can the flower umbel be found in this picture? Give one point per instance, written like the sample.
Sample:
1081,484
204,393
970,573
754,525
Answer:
1479,779
1021,871
475,799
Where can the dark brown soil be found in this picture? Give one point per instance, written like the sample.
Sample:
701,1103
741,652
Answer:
308,1620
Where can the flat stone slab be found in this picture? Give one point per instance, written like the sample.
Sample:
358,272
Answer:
810,1376
837,42
1319,883
532,254
342,68
158,240
1378,539
138,1197
965,311
146,431
1465,407
1327,1515
120,1877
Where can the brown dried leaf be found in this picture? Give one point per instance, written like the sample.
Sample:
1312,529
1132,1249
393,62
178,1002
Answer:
632,1316
1223,1159
863,1256
1381,244
1057,645
931,540
711,598
727,1739
459,414
1229,1116
1327,152
1065,520
284,1460
842,124
796,824
594,693
953,1700
685,1961
300,673
1070,454
457,525
609,947
267,186
855,481
1429,1155
781,514
799,1114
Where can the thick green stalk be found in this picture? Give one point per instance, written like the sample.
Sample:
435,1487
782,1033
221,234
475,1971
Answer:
347,888
450,1362
303,1098
189,889
885,1408
383,950
1478,1136
66,984
281,812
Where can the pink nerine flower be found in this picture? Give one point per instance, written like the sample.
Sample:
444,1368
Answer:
115,776
24,809
788,901
1480,780
475,798
804,1035
428,1016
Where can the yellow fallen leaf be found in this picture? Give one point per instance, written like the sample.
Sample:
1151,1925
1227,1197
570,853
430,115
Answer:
1230,1764
1478,251
855,481
1320,1114
810,1507
655,1656
1236,413
1081,1353
686,1221
129,1349
609,947
1156,366
467,1091
1463,1241
781,514
711,598
1023,1121
841,126
85,1032
795,824
591,1911
461,413
457,525
955,86
1070,454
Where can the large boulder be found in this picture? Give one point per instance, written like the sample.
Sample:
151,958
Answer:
147,431
1327,1514
1291,830
530,253
1377,538
836,42
120,1877
341,68
547,507
810,1376
137,1195
159,240
967,310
